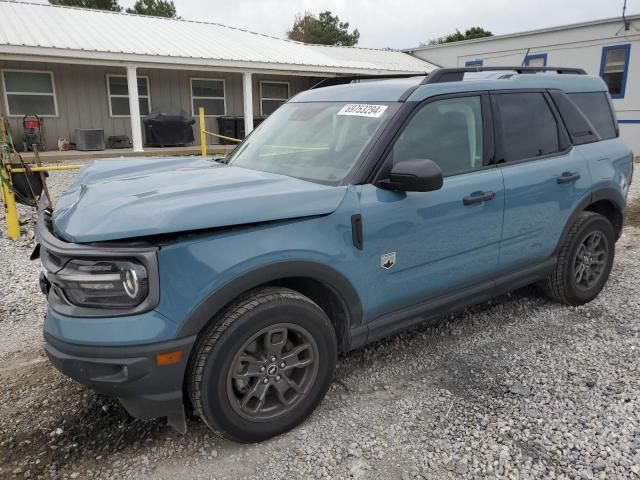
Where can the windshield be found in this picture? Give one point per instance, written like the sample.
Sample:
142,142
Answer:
314,141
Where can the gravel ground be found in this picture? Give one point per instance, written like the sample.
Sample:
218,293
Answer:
516,388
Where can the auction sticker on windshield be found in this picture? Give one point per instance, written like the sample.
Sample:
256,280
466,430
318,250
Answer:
363,110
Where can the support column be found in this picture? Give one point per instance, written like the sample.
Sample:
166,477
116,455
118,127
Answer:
134,109
247,90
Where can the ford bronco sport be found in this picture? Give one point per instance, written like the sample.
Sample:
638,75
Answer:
358,209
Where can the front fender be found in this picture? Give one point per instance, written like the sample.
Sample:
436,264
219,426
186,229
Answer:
221,297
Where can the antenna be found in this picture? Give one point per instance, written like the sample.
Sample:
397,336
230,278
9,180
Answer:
624,17
524,60
626,24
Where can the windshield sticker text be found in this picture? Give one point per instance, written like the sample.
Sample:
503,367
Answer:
363,110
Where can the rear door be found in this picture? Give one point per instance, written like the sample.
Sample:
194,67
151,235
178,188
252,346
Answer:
544,178
421,245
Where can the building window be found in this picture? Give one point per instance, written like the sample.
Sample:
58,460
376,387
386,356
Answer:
473,63
613,68
209,94
536,60
272,95
29,92
118,92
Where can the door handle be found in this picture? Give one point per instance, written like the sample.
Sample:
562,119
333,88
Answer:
478,197
567,177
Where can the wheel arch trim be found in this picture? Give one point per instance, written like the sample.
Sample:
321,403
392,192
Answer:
610,194
217,300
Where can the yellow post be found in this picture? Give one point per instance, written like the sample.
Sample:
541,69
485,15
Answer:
203,134
52,168
10,211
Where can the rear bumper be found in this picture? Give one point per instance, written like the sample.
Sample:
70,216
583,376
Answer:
129,374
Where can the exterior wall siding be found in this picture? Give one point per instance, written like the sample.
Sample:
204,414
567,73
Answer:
82,98
570,47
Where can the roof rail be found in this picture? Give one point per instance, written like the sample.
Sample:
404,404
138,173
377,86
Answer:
331,81
456,74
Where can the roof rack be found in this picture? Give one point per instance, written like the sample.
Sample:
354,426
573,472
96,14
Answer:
331,81
456,74
440,75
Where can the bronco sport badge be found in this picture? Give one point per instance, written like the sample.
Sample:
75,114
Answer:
388,260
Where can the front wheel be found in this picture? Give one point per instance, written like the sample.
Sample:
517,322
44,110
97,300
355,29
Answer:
264,366
584,262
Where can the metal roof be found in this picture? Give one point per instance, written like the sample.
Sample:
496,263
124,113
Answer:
75,34
558,28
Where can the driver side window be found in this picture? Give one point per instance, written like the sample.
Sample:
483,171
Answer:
449,132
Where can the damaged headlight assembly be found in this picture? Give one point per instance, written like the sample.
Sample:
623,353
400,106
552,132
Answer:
97,280
117,284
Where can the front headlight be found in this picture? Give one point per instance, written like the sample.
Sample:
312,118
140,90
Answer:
102,283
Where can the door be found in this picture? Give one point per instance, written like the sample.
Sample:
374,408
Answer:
421,245
544,177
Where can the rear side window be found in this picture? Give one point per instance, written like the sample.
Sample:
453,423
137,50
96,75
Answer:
596,107
580,128
526,127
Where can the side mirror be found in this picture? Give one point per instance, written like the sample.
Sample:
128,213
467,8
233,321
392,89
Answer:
419,175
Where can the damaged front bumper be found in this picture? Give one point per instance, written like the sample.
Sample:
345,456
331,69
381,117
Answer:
130,374
121,353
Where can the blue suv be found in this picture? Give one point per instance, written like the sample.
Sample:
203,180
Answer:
359,208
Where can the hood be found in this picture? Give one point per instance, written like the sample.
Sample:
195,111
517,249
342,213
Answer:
136,197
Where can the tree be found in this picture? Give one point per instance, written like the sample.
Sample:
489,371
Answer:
154,8
324,29
469,34
111,5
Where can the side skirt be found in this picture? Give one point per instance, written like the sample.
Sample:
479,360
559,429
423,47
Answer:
397,321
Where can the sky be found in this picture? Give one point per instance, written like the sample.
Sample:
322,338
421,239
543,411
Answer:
403,23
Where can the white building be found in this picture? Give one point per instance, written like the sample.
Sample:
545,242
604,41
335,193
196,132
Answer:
93,69
609,48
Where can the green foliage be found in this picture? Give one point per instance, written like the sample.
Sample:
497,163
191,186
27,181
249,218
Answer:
111,5
324,29
155,8
471,33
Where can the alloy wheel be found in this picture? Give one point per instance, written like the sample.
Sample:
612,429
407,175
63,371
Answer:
590,260
272,372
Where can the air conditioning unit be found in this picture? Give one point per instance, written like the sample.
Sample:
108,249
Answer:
88,139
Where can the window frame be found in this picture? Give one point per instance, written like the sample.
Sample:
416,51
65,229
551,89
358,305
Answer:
110,95
474,63
23,70
262,98
535,56
379,173
603,58
563,135
198,97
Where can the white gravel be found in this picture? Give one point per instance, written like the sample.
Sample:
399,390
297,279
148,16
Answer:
21,304
519,388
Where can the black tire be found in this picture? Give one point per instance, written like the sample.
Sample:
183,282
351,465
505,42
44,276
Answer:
219,398
563,284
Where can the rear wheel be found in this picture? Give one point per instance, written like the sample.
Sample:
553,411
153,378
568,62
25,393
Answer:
584,262
264,366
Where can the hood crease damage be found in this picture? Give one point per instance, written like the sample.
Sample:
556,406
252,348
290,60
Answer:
140,197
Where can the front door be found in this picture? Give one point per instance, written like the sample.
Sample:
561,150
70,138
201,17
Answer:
421,245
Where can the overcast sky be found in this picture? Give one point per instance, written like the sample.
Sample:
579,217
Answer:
403,23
